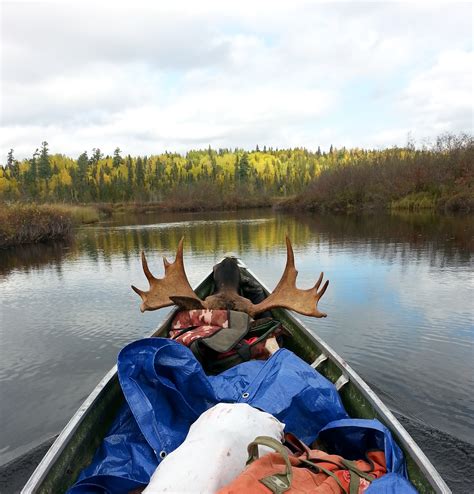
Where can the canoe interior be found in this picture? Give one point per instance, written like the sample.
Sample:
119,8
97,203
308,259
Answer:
78,450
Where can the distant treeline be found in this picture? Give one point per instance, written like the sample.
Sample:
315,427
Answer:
340,179
118,178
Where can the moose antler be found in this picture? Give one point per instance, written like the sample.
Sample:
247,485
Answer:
174,284
174,288
286,294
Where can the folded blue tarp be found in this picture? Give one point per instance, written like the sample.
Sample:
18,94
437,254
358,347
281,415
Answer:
166,390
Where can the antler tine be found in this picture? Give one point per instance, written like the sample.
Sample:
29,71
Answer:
146,269
290,255
179,255
316,286
137,290
286,294
324,288
179,251
174,284
290,273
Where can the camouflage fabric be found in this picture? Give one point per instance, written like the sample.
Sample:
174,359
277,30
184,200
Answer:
192,325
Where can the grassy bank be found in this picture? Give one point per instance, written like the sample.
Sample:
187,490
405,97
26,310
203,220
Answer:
28,224
80,215
439,178
32,223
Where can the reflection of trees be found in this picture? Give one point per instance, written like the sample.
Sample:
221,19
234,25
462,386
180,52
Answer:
444,240
204,234
34,256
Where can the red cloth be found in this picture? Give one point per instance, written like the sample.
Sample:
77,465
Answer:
191,325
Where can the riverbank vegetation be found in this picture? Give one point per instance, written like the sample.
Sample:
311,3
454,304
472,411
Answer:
29,223
439,177
394,236
34,223
436,177
206,196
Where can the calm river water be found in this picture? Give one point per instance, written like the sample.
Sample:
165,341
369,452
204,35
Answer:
400,310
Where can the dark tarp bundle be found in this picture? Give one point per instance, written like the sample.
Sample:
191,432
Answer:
166,390
352,438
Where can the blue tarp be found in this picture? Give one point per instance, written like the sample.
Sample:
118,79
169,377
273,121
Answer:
352,438
391,483
166,390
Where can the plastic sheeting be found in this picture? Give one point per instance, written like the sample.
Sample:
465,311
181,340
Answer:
352,438
166,390
123,455
391,483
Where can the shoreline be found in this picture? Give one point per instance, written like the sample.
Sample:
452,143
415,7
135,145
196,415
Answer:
27,224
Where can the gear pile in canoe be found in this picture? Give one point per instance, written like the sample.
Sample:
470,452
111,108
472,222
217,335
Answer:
183,429
230,396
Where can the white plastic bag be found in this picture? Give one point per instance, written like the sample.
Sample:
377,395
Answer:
215,450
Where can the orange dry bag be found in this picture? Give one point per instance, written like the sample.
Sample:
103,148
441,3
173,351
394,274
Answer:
310,471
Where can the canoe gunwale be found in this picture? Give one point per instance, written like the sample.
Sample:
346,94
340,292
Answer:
401,435
69,430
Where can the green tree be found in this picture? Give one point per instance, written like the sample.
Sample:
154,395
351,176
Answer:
96,156
117,160
13,165
10,158
31,175
44,165
81,176
102,188
140,173
244,168
129,177
236,167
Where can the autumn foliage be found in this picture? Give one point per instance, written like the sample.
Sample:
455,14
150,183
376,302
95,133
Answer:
168,176
437,176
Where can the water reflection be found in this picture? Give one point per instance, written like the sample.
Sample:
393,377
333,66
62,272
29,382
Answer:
444,241
32,257
399,305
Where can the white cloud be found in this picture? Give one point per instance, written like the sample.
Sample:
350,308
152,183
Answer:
441,97
183,75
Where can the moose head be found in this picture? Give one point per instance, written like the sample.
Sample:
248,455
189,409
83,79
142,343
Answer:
174,289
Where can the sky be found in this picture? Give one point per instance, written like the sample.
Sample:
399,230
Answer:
154,76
